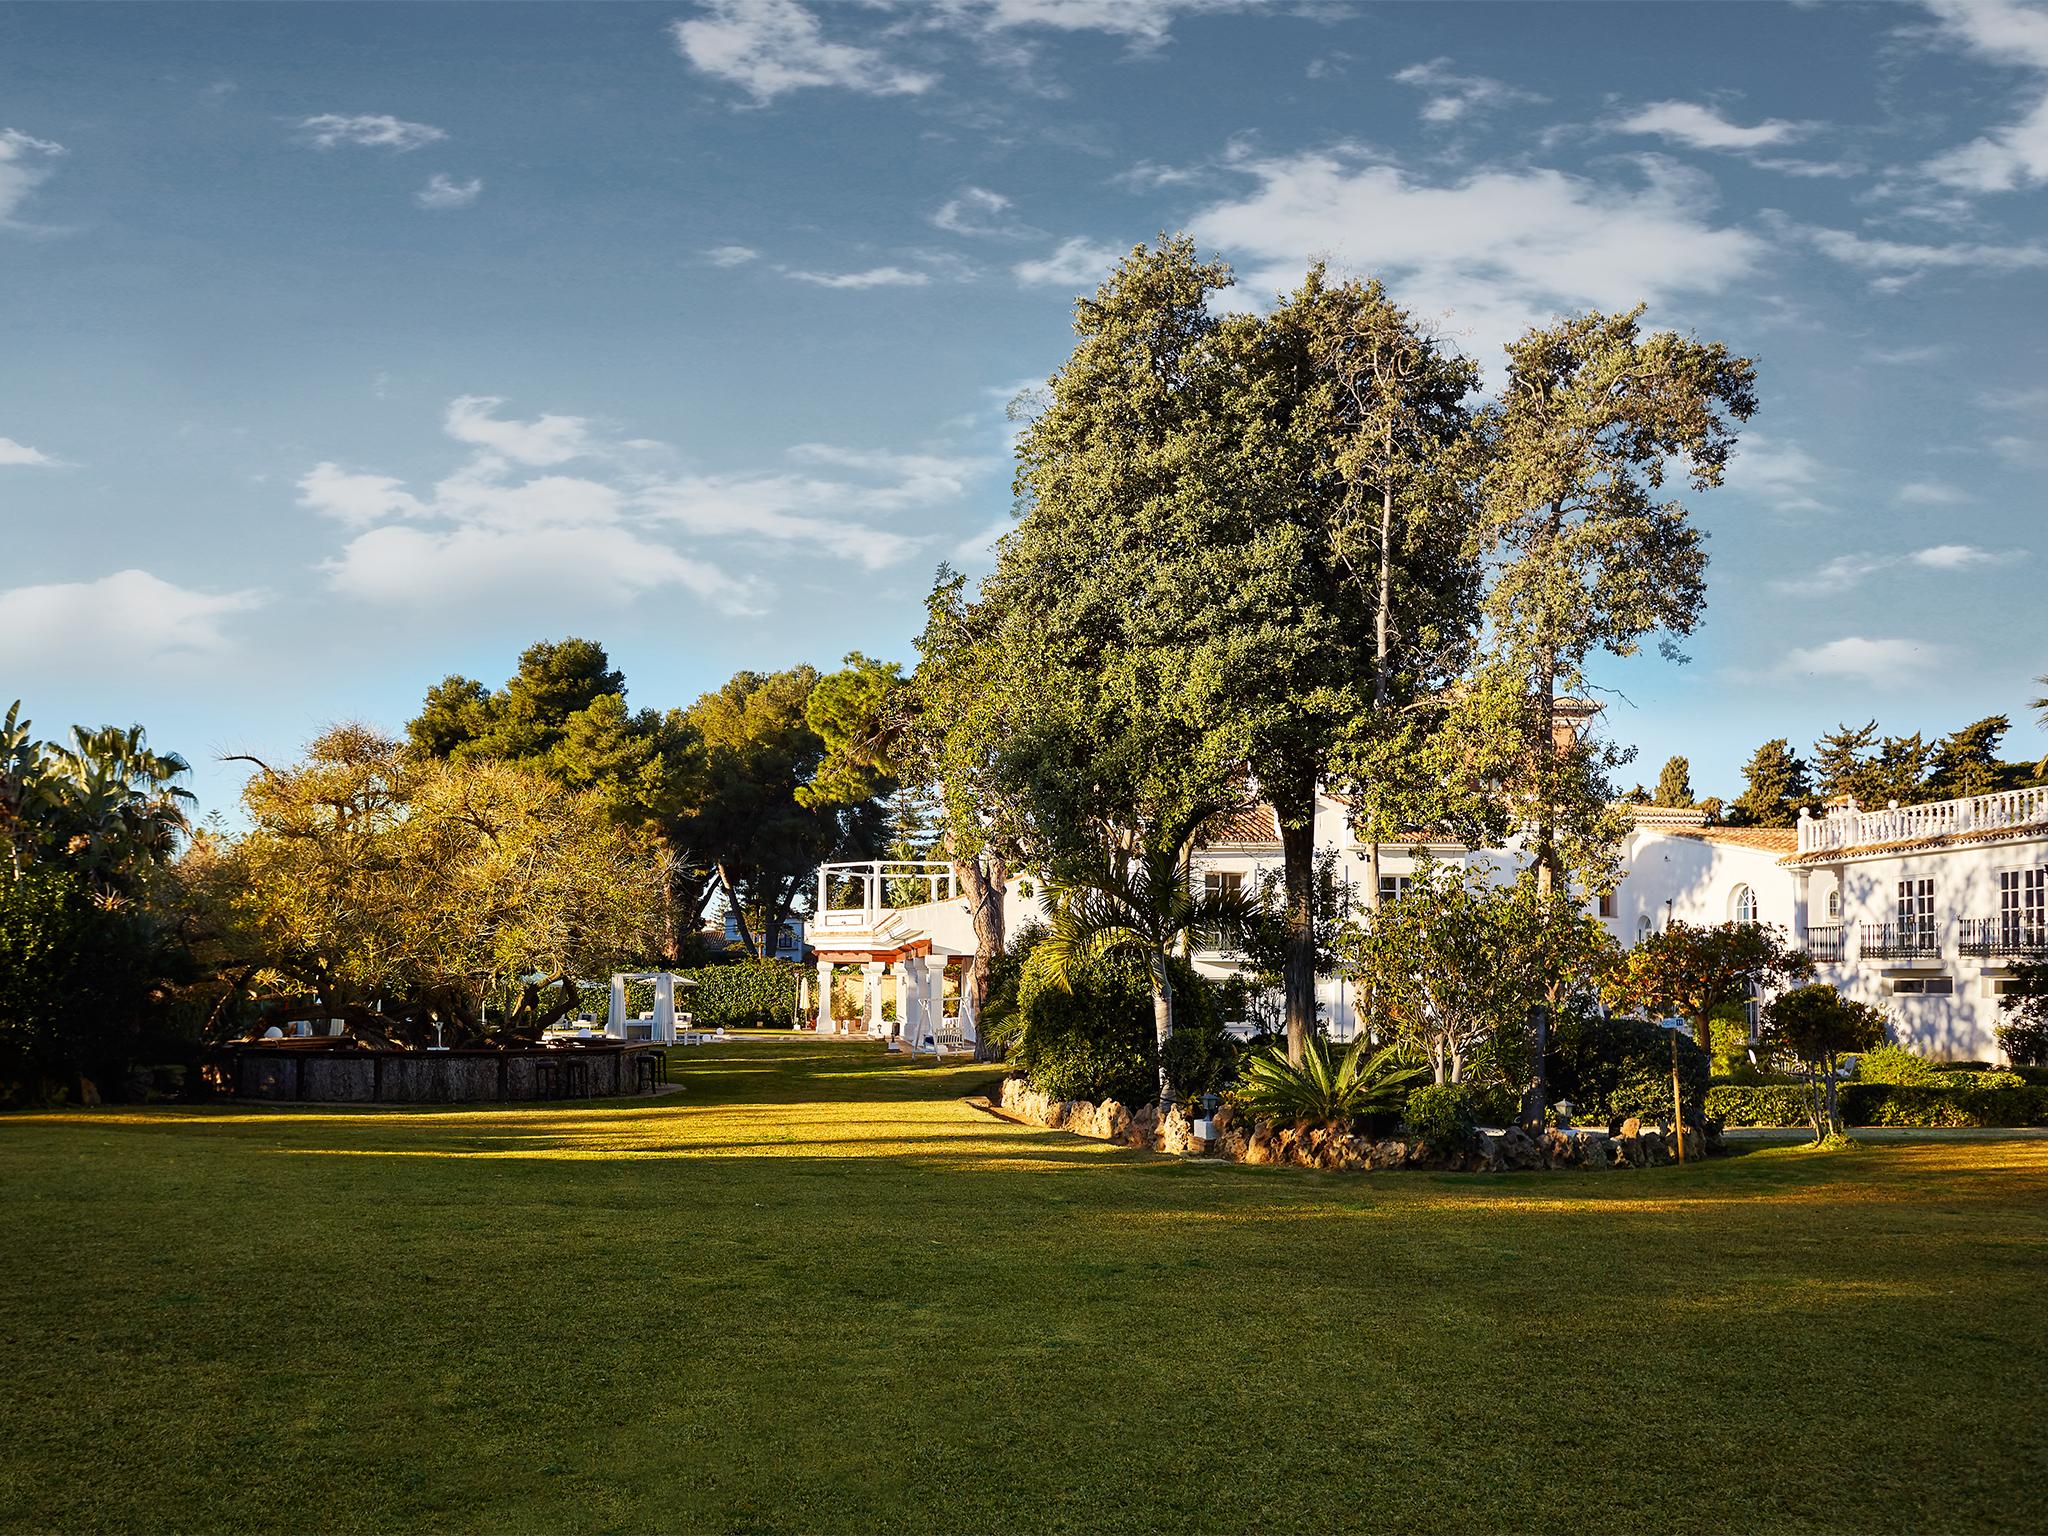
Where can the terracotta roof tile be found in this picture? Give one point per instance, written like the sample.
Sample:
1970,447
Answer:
1769,839
1911,844
1253,827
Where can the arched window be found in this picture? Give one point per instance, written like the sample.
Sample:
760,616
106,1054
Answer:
1745,905
1834,906
1642,927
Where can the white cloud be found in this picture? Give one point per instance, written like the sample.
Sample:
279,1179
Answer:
1931,493
2015,156
1780,473
1698,127
1854,658
1845,572
443,191
1958,557
1076,263
24,166
15,454
975,211
370,130
1146,23
873,277
492,526
1906,357
767,47
1454,97
128,619
356,499
1500,249
1907,257
544,440
731,255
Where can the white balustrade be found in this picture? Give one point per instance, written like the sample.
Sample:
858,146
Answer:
1848,826
854,898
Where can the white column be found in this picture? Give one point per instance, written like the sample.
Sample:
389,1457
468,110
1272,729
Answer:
824,997
1800,904
871,994
906,997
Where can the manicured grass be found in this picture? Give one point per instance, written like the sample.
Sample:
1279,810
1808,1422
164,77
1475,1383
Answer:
815,1292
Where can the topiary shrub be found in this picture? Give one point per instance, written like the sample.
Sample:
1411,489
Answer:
1895,1064
1767,1104
1093,1040
1612,1068
1441,1116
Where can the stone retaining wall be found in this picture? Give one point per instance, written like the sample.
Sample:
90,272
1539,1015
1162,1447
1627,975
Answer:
1335,1146
419,1077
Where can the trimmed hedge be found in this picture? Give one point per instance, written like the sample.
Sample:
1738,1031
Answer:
748,994
1893,1104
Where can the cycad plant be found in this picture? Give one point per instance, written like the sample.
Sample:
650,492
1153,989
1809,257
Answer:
1272,1088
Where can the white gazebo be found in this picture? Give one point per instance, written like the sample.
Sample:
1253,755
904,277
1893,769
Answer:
661,1029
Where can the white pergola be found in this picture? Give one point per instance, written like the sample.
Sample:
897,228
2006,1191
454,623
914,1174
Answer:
662,1028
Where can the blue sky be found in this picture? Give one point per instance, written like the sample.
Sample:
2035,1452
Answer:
349,346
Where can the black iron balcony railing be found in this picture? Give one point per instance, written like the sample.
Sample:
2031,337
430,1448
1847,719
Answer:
2006,934
1897,941
1826,942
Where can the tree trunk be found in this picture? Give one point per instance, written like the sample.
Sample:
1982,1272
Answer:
1296,814
1547,871
1162,1019
739,912
1536,1095
984,877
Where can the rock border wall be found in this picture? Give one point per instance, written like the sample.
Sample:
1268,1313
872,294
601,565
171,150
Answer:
1335,1147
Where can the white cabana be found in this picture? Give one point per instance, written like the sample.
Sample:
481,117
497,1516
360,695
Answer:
661,1029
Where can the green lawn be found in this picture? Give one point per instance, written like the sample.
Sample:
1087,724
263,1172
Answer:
816,1292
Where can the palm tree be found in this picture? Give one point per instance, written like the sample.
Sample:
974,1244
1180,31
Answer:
106,802
1135,902
2040,707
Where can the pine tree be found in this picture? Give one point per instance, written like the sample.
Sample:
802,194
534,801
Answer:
1966,762
1844,763
1900,770
1777,785
1674,784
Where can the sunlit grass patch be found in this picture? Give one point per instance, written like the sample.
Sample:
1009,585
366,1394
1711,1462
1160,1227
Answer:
815,1291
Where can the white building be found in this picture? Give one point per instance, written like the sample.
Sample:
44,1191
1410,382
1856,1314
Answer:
1245,849
789,937
1922,910
892,940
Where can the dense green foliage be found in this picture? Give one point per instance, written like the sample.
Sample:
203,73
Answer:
1443,1117
744,793
1860,761
78,985
1087,1034
1817,1026
744,994
1922,1106
92,939
1452,968
1890,1063
2024,1034
1612,1068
